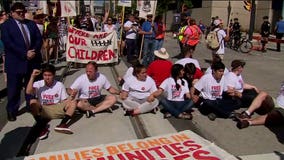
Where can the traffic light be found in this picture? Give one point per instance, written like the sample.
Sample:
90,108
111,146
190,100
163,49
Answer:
247,5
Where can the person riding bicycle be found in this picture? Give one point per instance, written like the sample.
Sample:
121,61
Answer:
236,32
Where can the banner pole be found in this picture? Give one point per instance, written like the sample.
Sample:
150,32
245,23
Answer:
121,30
141,47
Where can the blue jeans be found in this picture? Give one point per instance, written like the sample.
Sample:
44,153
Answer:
148,51
176,107
159,44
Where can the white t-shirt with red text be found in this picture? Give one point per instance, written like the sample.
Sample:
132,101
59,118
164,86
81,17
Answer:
139,89
209,87
90,89
234,81
50,95
169,86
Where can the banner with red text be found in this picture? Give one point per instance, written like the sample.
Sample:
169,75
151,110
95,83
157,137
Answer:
84,46
184,145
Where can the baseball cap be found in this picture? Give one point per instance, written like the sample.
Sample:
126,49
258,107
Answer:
217,22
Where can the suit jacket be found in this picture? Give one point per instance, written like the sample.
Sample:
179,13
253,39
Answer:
16,50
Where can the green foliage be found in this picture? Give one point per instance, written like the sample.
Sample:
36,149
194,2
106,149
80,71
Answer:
162,6
188,3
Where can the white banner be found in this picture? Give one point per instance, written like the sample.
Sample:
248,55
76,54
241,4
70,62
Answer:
146,7
84,46
125,3
184,145
68,8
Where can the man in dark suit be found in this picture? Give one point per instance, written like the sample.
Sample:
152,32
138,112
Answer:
22,41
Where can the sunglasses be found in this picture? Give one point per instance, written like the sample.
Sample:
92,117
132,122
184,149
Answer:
21,12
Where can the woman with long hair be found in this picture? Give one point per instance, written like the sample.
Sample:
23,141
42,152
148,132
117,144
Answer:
178,101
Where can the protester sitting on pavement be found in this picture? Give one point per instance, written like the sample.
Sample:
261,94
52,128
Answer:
177,89
136,92
216,59
272,117
160,69
50,101
237,89
192,74
188,59
128,73
88,86
207,94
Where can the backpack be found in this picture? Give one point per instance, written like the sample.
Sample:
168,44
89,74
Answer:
212,40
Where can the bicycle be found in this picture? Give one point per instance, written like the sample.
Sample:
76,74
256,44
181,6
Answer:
244,44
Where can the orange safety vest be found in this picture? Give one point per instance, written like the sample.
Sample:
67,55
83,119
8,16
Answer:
193,39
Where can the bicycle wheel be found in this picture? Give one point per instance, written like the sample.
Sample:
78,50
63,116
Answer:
245,46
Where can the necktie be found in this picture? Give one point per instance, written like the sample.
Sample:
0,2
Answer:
25,35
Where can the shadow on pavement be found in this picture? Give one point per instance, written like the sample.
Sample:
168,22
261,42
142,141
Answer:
3,93
75,118
12,142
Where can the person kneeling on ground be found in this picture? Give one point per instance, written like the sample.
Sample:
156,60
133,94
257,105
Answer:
136,92
177,89
89,87
50,101
270,116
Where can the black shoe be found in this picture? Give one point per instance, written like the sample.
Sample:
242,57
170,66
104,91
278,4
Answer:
11,117
90,114
167,115
155,110
242,124
242,115
128,113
